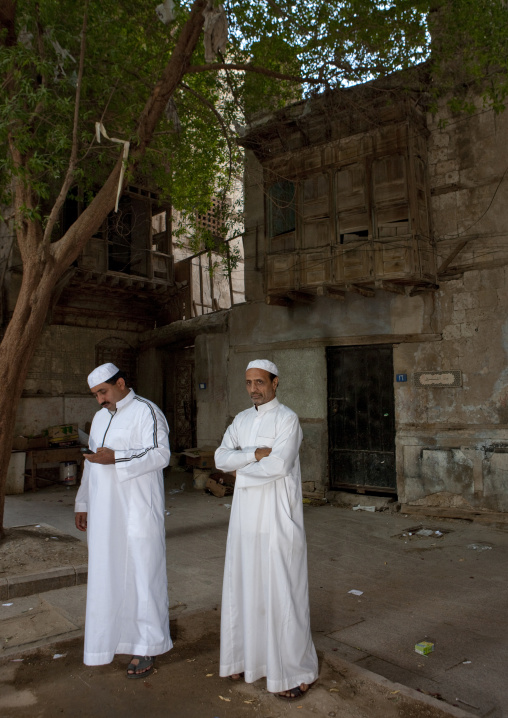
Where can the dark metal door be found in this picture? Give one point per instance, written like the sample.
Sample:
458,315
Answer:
361,418
185,404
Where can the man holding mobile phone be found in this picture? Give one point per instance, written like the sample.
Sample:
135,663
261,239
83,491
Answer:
121,504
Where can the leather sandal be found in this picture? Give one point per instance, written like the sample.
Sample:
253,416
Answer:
143,668
294,693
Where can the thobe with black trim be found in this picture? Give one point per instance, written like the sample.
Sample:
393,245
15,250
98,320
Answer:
265,624
127,597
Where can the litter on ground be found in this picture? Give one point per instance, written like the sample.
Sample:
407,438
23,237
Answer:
479,547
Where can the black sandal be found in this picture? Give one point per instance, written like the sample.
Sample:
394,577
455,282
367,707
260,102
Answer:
144,662
294,693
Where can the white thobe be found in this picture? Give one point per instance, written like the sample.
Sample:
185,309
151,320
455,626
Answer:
265,623
127,598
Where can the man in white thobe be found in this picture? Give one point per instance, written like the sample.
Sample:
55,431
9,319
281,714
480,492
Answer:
121,503
265,624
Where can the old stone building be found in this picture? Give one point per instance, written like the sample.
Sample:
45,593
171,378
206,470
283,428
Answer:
375,268
375,278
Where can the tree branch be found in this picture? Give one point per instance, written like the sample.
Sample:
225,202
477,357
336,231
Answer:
43,81
66,249
176,68
18,198
254,68
69,177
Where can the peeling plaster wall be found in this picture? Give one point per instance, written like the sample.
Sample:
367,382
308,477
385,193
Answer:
452,443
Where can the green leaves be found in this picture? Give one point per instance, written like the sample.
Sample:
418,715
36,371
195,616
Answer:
195,157
470,52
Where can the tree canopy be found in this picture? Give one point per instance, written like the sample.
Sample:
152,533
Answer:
319,44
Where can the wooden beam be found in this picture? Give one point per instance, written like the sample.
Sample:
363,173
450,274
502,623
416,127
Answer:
474,266
455,251
390,287
333,292
360,289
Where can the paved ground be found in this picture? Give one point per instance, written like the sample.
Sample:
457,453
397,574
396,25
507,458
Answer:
413,588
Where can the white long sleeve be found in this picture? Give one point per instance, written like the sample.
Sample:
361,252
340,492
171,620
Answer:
229,456
153,438
81,502
281,459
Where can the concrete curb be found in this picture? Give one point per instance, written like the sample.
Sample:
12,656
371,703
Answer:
29,649
48,580
350,670
487,518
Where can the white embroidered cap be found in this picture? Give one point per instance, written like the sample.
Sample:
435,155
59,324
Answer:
101,374
268,366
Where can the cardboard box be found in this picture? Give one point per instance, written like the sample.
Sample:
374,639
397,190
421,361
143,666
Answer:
63,434
222,478
200,458
424,648
217,489
25,443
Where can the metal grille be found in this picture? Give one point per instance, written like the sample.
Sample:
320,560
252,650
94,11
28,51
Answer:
361,417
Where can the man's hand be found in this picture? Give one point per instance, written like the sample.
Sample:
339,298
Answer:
262,453
103,456
80,520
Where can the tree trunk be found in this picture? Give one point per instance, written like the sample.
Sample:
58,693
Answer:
16,352
44,264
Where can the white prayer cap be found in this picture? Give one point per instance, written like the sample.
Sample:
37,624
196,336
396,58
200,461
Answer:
268,366
102,374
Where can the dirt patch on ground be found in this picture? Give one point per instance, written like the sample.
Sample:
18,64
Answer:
29,549
53,681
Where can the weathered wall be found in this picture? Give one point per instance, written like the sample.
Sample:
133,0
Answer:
452,443
211,368
469,186
296,340
56,390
